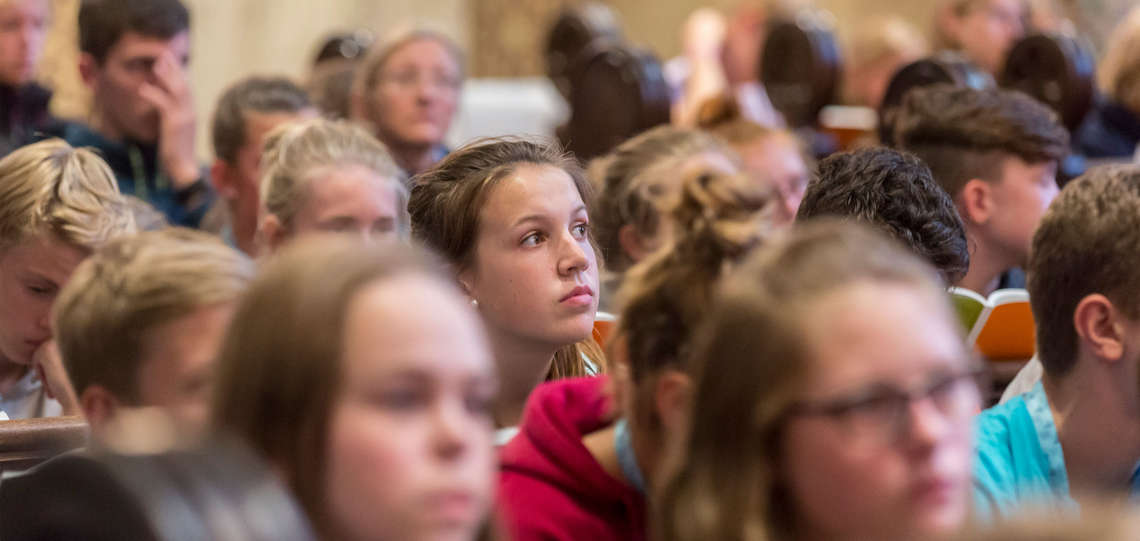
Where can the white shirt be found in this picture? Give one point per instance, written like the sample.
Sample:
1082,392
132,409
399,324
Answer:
28,400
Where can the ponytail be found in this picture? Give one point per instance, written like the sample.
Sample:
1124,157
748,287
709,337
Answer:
717,218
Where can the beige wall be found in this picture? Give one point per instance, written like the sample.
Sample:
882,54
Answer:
235,38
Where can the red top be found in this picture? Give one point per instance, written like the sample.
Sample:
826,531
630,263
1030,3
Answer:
551,488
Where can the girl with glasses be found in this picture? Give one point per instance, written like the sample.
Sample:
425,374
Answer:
833,400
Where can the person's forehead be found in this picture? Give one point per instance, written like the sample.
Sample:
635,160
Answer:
47,257
24,7
421,50
132,43
435,334
528,189
259,123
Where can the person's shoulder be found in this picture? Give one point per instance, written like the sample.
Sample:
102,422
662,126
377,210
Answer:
995,427
74,132
996,478
1109,131
534,509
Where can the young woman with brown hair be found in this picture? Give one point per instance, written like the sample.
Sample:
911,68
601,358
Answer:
512,218
574,472
834,399
362,376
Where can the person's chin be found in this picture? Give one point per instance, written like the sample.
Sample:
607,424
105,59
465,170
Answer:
940,519
23,354
423,135
577,328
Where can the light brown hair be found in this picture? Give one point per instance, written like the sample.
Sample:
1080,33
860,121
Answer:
368,72
1086,243
719,219
294,152
447,199
636,181
50,187
131,286
280,368
750,359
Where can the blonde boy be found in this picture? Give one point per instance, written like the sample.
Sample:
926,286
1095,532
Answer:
141,322
57,204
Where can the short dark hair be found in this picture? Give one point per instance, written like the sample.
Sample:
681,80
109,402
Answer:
103,22
964,133
252,95
1087,243
894,192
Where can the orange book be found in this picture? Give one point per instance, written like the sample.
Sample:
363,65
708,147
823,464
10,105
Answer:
604,324
1000,327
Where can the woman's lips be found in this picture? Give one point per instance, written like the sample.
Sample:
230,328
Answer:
579,296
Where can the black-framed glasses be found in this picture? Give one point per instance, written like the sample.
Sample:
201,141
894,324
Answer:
881,411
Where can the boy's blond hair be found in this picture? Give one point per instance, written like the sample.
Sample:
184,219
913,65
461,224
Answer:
51,187
132,285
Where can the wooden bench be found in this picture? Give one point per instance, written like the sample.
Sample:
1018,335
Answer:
25,443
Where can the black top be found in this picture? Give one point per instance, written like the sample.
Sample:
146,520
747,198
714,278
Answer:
23,112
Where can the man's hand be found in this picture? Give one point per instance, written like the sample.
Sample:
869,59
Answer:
170,94
49,365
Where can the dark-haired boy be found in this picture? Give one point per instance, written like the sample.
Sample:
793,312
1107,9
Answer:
996,153
894,192
133,57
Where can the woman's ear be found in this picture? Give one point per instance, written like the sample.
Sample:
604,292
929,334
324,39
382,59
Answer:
465,279
671,396
632,243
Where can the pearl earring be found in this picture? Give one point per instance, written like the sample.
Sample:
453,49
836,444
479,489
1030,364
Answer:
474,303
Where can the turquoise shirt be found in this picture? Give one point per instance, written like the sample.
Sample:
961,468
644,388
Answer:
1019,462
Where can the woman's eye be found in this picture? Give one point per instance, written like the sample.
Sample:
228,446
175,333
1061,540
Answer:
532,239
582,229
479,404
400,399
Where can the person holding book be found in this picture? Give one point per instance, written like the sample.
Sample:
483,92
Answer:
894,192
996,153
1075,435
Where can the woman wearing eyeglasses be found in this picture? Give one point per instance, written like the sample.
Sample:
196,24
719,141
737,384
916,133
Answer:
834,400
407,92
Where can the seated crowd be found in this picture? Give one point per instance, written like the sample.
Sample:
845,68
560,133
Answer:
408,338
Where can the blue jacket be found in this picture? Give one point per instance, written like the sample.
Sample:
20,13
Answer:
136,167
